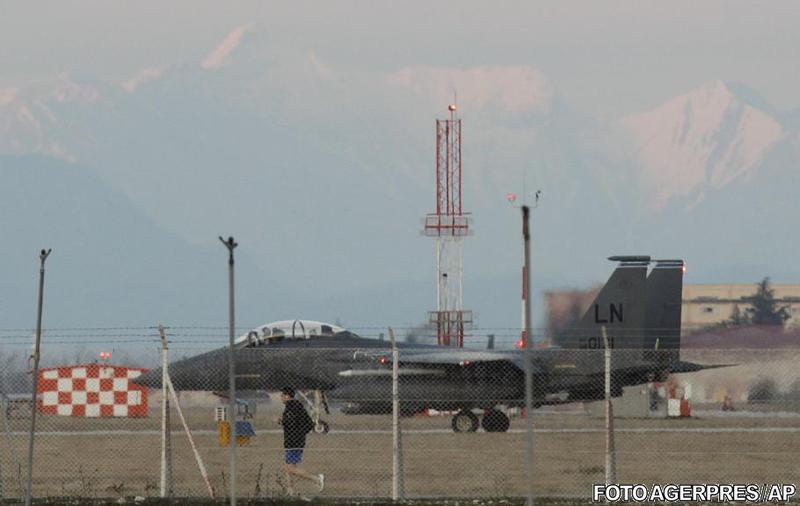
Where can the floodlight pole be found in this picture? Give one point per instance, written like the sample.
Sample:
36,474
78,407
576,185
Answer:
35,381
231,244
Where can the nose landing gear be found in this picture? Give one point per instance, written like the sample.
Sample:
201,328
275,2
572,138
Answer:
321,427
316,406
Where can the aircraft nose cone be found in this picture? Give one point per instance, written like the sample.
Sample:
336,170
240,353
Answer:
207,371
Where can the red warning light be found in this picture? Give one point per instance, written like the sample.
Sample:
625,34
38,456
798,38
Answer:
105,355
383,360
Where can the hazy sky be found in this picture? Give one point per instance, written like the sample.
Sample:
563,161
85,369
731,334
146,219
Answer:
608,58
334,102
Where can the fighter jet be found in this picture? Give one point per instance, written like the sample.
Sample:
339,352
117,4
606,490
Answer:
641,315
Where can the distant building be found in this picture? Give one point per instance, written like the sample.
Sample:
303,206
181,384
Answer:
703,305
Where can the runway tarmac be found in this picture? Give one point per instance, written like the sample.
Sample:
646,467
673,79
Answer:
83,457
334,432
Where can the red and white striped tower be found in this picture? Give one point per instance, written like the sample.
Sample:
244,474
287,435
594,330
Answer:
449,225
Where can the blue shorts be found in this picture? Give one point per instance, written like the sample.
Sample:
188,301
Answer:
294,456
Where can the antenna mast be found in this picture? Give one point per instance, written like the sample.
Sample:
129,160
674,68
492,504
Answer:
449,225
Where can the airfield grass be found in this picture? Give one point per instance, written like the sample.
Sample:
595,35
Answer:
356,456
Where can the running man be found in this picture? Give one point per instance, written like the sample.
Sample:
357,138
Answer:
296,424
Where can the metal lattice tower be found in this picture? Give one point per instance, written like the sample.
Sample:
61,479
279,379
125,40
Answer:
449,225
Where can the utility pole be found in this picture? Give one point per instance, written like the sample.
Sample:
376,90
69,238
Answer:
527,335
231,244
36,354
527,338
526,278
166,431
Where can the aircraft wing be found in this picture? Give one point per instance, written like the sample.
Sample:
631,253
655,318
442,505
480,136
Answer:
465,357
681,366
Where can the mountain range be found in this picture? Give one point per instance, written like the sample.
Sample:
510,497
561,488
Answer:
323,173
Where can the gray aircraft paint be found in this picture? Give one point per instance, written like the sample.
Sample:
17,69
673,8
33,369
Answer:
620,307
348,367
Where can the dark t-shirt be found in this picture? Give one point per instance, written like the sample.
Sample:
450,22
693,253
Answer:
295,425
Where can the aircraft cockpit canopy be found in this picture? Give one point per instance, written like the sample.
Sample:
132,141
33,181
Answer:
287,329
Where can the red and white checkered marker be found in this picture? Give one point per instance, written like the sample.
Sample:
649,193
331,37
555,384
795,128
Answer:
93,390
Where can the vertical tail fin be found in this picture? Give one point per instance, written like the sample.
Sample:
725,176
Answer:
664,288
620,307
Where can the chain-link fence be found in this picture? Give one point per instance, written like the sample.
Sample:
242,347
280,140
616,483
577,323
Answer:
99,430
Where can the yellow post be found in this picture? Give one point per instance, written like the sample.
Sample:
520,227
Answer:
224,433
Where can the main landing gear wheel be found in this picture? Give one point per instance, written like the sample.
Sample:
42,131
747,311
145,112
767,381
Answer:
465,421
322,427
495,420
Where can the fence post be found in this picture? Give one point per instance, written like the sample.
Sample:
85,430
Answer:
166,431
398,484
611,460
35,380
10,449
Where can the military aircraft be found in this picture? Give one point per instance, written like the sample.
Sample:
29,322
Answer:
641,314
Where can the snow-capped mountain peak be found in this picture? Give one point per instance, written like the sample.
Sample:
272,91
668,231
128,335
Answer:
36,119
145,76
699,141
220,56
